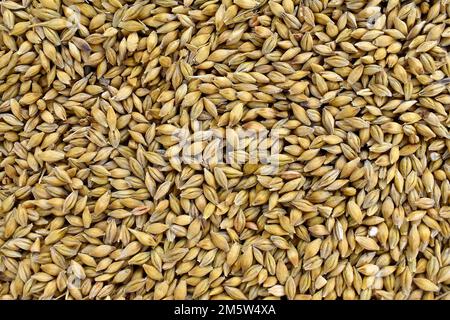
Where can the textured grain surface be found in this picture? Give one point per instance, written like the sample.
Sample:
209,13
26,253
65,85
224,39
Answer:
224,149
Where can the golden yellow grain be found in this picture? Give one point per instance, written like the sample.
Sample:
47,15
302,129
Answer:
239,149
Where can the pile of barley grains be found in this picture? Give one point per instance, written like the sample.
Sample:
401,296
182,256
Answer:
224,149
